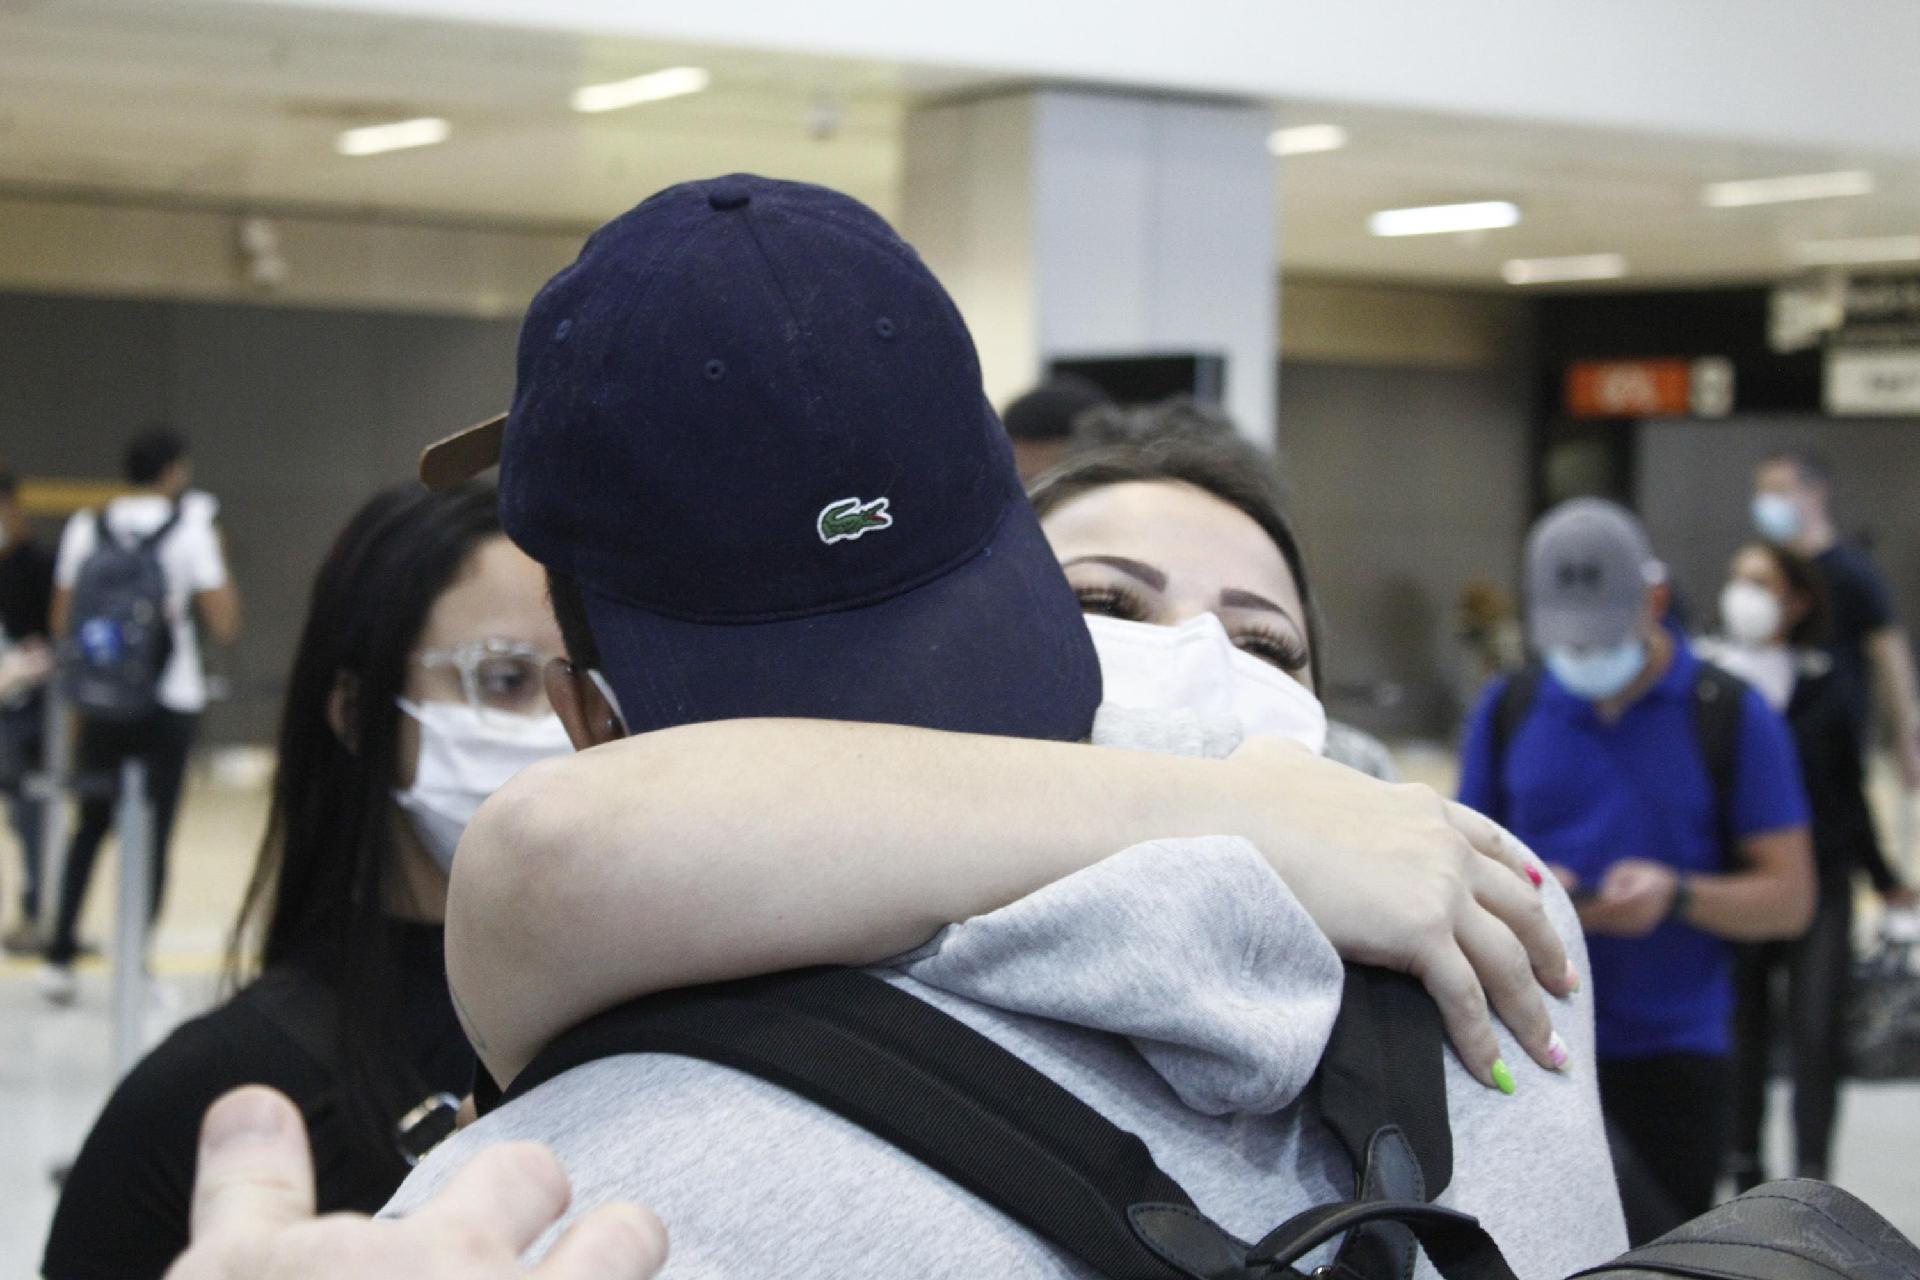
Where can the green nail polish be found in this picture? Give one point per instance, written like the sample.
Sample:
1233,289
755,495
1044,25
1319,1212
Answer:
1502,1077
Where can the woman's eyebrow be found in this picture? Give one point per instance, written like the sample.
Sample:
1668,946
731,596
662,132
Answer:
1234,598
1132,568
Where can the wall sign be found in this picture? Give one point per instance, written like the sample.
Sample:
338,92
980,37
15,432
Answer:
1665,388
1873,380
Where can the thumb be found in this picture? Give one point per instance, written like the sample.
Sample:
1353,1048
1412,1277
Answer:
255,1170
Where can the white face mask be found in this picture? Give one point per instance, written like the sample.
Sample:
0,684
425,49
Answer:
1750,612
464,758
1195,667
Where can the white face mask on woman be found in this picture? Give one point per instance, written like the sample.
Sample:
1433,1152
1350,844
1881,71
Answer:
464,758
1195,667
1751,613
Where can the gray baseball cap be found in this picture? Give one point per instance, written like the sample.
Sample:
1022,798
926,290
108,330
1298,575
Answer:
1589,565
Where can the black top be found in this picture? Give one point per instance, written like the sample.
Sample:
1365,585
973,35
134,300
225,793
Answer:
26,589
123,1211
1827,740
1861,606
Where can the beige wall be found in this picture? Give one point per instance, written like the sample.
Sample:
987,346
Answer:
1351,322
134,250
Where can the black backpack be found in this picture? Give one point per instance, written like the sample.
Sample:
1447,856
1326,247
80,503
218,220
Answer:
960,1104
1719,697
119,636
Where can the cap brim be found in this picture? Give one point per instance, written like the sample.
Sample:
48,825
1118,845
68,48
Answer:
994,646
1569,628
464,455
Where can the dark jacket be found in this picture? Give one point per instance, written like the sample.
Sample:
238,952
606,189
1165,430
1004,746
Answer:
1820,715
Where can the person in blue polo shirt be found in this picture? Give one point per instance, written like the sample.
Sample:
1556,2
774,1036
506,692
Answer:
1666,797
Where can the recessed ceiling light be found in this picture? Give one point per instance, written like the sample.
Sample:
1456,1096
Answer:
1305,139
1483,215
1582,266
374,139
1797,186
655,86
1841,253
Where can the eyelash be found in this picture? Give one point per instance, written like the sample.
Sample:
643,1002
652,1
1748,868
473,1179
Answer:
1270,646
1113,602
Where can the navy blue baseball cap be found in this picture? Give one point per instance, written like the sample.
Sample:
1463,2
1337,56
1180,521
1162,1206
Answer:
749,424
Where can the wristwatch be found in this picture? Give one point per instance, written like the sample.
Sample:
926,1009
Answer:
1682,897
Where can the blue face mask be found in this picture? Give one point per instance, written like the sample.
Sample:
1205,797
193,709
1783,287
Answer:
1775,516
1598,674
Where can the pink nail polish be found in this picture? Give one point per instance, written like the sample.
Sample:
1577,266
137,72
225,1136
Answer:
1533,874
1557,1053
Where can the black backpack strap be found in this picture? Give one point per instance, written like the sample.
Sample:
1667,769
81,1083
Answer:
1509,713
913,1076
167,526
1719,703
1383,1091
959,1103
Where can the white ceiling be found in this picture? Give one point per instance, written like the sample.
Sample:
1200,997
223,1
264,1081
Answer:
239,106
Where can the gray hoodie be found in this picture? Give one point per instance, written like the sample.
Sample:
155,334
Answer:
1177,987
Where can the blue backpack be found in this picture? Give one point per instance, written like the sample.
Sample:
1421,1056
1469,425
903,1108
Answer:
119,637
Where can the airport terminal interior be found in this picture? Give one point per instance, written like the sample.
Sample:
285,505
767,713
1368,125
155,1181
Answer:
1444,267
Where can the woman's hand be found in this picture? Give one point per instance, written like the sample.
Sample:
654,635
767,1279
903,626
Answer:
1399,877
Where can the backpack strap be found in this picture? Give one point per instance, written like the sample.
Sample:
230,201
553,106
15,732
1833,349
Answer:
1509,713
105,536
167,526
950,1097
1719,705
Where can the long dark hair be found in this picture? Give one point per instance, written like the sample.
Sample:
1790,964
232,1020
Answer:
1816,624
320,891
1229,469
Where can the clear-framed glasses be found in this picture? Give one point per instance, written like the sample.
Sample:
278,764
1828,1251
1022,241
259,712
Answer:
498,677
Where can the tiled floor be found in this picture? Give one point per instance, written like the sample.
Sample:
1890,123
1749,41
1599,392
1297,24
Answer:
54,1069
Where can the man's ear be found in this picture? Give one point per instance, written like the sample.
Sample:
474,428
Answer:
343,710
581,706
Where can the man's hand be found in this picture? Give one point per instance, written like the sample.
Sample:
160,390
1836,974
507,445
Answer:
1635,895
1399,877
253,1216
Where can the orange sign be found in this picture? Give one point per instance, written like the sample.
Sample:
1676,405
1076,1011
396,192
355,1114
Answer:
1629,388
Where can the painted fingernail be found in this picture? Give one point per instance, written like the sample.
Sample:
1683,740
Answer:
1573,978
1557,1052
1503,1077
1533,874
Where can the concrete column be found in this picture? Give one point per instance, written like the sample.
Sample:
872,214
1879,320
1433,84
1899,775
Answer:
1070,223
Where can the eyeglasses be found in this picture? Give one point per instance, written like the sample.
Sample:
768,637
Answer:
498,677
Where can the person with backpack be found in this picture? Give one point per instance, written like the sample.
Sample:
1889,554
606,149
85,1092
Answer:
1666,796
833,528
135,582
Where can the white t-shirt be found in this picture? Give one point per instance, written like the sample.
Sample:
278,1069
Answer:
189,556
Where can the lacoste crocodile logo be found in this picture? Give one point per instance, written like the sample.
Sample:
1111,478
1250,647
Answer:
851,518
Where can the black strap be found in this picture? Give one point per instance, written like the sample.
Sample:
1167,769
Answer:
911,1075
1509,713
953,1099
1719,701
1383,1091
142,545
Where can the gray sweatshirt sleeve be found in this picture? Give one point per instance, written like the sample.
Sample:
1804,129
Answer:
1192,949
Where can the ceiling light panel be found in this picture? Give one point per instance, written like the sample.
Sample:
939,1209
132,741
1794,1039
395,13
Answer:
1844,253
400,135
655,86
1481,215
1798,186
1305,139
1583,266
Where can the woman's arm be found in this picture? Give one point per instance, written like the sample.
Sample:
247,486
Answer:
715,851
